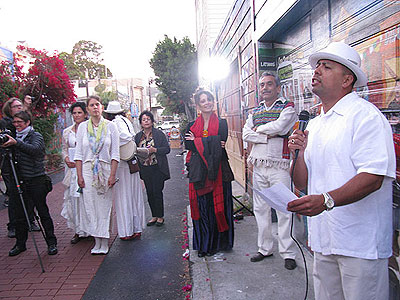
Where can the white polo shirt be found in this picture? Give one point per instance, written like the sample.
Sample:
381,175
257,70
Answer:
353,137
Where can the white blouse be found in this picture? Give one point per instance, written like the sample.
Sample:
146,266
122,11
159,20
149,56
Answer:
108,152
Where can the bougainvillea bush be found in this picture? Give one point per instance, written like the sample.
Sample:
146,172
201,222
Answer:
43,76
47,81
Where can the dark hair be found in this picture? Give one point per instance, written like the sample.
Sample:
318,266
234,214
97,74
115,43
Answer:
7,106
276,78
80,104
201,92
109,116
147,113
24,115
97,98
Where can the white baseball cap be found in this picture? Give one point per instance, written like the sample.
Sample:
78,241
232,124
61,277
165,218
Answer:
344,55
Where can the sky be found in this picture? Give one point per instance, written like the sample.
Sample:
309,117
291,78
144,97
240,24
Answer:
128,30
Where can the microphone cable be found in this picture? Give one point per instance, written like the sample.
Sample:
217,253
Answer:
291,232
304,116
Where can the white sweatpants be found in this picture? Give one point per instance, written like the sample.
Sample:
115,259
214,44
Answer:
338,277
265,177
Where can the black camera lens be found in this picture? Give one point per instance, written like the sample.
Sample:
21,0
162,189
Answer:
3,138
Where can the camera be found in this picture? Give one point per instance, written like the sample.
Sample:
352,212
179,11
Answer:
3,136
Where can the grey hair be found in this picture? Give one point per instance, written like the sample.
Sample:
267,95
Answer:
276,78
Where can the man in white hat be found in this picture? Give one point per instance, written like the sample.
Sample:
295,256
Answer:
346,161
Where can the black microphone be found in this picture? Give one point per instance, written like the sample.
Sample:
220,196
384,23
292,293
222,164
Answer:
304,116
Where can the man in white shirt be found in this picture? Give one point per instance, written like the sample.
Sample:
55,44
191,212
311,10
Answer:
346,160
267,128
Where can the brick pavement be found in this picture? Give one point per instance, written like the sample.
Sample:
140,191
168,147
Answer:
67,274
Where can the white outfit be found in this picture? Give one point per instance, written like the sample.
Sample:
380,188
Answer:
71,206
96,213
129,205
353,137
270,168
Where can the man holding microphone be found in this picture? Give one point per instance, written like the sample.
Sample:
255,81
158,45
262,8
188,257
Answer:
346,161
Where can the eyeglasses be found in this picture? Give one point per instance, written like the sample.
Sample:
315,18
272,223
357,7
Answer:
18,122
17,106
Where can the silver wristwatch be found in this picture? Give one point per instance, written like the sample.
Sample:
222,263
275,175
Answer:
329,203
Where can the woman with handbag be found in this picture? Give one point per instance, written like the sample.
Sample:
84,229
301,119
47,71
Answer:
72,206
129,205
154,169
96,158
210,176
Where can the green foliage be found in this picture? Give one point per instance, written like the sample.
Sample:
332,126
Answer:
175,64
100,88
45,126
72,68
85,59
107,97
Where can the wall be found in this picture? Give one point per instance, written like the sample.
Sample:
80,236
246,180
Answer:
235,92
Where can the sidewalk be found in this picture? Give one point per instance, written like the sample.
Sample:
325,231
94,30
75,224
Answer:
231,275
67,274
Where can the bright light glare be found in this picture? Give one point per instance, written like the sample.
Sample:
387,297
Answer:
214,68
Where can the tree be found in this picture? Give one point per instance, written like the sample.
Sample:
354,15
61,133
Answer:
47,81
72,68
86,59
175,64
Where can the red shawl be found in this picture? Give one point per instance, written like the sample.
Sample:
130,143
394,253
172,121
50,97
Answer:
210,186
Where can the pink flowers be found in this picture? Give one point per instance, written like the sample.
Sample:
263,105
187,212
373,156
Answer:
187,288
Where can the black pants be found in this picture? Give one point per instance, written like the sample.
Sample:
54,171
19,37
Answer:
34,194
9,181
154,182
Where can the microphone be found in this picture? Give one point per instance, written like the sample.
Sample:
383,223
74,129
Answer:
304,116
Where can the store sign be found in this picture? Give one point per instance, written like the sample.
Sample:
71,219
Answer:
285,72
267,63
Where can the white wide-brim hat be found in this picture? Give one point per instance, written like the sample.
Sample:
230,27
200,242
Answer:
114,107
344,55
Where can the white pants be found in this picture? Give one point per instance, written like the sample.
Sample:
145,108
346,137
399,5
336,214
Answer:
338,277
264,177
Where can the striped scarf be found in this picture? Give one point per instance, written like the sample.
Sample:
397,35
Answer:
263,116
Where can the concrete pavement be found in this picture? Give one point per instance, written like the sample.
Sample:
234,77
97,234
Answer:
231,275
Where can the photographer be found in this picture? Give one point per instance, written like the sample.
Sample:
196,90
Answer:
10,108
29,155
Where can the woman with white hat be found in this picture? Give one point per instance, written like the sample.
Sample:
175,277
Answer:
129,205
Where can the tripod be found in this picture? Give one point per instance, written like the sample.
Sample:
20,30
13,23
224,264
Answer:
7,154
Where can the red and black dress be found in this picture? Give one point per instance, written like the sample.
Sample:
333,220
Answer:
210,188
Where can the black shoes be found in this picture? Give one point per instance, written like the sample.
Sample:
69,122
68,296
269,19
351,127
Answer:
160,223
75,239
151,222
11,233
259,257
16,250
201,254
52,249
290,264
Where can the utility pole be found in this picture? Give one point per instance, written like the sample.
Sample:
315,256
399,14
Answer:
150,82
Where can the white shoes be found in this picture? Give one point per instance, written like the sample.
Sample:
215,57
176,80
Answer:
101,246
97,245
